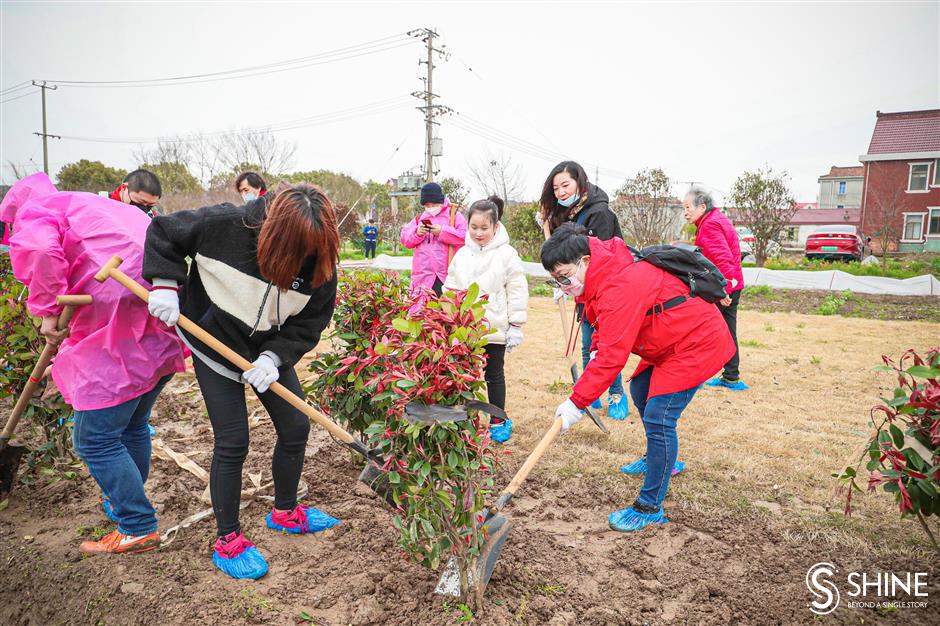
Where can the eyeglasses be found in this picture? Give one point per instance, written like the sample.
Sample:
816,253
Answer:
555,284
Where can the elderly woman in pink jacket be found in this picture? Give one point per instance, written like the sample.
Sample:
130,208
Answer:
115,358
719,242
434,241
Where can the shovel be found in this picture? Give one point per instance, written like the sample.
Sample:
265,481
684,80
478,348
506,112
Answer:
496,527
110,270
571,363
10,455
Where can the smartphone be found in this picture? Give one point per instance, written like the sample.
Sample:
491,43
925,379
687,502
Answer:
426,222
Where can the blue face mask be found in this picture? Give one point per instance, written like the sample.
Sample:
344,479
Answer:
248,197
570,201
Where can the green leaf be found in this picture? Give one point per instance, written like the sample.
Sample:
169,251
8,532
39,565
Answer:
897,436
919,371
453,459
405,384
4,504
401,325
394,477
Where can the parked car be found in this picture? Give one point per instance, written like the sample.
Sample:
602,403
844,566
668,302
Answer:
746,238
837,241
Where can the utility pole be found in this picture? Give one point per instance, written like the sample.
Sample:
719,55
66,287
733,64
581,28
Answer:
430,109
45,135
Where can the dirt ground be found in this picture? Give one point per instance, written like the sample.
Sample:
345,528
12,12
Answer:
752,512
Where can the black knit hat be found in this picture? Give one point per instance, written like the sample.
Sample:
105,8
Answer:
431,193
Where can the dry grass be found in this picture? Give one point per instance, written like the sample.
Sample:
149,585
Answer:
777,444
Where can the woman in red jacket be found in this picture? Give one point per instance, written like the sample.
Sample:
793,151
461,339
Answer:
638,308
719,242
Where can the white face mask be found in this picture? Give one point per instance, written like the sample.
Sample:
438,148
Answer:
434,210
574,287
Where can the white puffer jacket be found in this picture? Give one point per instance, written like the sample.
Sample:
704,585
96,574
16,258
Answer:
496,268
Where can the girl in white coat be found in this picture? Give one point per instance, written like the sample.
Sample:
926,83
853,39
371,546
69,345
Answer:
488,260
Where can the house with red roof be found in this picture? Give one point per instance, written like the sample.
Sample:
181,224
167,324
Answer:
841,187
901,192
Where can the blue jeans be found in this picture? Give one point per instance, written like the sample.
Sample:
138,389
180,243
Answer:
369,248
587,334
659,415
115,444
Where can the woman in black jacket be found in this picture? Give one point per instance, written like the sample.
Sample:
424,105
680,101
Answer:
568,196
261,279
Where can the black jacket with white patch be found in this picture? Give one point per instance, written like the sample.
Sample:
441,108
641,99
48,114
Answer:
223,291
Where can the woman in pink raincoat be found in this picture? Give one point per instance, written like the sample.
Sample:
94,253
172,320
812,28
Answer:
115,358
433,239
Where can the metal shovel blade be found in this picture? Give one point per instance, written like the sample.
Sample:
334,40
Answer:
10,458
377,480
496,529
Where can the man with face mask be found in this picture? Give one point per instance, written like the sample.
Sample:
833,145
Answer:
638,308
141,188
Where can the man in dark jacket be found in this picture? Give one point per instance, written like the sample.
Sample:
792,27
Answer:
141,188
371,235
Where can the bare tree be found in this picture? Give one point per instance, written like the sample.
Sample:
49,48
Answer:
499,175
762,200
263,148
885,204
647,211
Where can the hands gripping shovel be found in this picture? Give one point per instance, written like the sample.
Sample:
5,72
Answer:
10,455
110,270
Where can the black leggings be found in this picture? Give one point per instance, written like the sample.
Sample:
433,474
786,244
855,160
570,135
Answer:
228,413
494,376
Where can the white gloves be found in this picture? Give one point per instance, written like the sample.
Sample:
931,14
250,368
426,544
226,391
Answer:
569,414
513,337
164,301
263,375
557,294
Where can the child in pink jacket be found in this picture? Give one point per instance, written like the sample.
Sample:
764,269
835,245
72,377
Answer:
432,238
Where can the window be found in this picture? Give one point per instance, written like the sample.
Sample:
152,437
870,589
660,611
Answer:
840,206
936,173
913,227
917,178
841,188
933,224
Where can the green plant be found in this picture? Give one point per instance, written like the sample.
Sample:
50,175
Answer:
904,450
757,291
524,232
438,471
814,360
365,302
752,343
832,304
19,349
769,327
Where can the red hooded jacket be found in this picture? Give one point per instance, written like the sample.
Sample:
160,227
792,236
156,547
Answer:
720,245
686,344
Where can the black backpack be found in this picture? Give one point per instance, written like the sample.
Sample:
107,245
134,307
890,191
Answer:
687,263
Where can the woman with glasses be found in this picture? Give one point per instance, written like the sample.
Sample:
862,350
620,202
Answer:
638,308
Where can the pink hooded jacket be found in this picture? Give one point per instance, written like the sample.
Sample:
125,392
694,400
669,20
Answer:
430,257
720,245
115,351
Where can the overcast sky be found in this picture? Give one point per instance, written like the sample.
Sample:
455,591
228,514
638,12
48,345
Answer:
704,90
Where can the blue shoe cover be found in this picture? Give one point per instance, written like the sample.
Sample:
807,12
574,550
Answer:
637,467
735,386
109,511
618,410
628,520
153,431
714,382
596,405
501,432
249,564
316,521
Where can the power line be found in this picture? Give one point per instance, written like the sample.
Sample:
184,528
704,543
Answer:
381,106
17,87
341,54
28,93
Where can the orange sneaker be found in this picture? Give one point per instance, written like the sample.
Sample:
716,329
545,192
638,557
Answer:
119,543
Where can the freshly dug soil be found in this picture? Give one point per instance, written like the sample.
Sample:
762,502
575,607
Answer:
865,305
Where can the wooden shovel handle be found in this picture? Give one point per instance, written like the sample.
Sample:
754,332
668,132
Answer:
533,458
45,357
110,270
